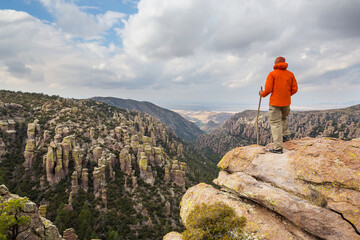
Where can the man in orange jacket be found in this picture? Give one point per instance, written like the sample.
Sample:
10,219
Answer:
282,84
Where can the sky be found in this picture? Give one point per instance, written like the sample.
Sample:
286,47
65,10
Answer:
188,54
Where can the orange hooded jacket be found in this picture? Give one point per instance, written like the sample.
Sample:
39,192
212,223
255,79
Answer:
282,84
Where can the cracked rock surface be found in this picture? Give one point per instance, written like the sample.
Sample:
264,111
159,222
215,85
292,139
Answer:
312,191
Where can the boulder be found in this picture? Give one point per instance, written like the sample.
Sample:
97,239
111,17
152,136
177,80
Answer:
312,191
173,236
262,223
69,234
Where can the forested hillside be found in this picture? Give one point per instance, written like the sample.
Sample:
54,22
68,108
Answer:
106,172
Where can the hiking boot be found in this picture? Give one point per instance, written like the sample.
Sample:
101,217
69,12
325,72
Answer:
278,151
286,138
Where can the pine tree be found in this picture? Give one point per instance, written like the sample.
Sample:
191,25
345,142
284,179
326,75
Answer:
10,220
85,222
62,218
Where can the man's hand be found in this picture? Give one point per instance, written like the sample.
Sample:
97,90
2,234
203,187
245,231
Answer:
260,92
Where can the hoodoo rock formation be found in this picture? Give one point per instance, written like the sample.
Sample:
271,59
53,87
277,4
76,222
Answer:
312,191
33,140
2,147
137,152
90,166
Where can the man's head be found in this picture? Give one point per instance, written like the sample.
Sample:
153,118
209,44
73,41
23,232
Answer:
279,59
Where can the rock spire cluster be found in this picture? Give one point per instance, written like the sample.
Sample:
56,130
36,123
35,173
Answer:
72,146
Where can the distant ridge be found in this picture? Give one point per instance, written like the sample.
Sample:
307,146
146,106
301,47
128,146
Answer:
182,127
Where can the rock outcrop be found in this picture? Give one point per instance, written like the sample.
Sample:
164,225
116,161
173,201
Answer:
312,191
173,236
2,147
69,234
39,228
8,126
33,140
175,171
61,150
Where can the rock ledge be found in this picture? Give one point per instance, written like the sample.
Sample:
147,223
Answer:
311,191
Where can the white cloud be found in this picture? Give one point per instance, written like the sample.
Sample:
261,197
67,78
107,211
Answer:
34,51
203,50
198,37
166,29
71,18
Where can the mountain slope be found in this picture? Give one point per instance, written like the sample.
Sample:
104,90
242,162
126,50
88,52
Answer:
96,168
182,127
240,130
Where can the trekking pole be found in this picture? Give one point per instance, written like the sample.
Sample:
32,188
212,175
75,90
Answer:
257,120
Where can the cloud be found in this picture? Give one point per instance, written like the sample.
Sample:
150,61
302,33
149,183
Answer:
203,35
199,51
167,29
71,19
18,69
34,51
339,17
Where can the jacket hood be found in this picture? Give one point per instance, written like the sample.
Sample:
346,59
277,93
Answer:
281,65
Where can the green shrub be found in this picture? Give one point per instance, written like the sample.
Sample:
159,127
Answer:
215,221
11,220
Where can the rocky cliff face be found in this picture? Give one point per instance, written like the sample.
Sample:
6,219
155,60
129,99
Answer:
312,191
240,130
39,227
